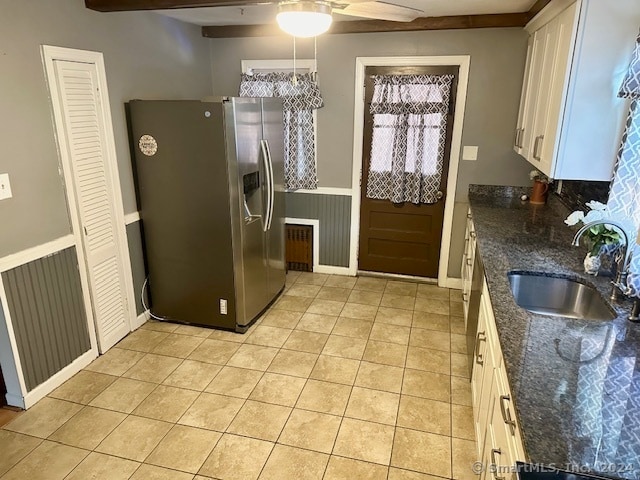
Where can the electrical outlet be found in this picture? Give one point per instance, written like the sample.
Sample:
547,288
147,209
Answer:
223,306
5,186
470,153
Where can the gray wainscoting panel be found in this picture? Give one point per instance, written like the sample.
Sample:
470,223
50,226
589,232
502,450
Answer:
136,254
334,214
48,315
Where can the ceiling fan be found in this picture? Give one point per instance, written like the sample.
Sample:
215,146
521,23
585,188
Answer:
309,18
304,17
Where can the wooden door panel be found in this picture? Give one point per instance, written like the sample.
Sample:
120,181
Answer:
401,238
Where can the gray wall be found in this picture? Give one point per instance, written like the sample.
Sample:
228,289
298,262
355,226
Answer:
146,56
48,315
495,81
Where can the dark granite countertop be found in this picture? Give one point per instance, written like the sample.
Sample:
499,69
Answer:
576,384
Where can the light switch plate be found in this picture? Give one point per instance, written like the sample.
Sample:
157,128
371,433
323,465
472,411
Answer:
5,186
470,153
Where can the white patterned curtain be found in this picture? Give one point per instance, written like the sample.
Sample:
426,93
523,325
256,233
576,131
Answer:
409,137
624,198
299,99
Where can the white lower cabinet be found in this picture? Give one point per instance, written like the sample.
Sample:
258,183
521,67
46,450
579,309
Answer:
468,259
497,433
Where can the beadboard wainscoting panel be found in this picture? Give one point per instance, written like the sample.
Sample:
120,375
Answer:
48,315
334,214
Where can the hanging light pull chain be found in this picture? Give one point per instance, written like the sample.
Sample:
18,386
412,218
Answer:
314,74
294,79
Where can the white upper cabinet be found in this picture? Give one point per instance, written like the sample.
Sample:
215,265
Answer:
571,120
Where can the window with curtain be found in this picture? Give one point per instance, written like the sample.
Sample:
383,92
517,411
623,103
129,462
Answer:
624,198
409,137
300,96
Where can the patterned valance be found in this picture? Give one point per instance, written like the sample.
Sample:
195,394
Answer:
302,94
411,94
631,84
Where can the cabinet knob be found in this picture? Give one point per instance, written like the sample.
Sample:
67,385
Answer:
469,262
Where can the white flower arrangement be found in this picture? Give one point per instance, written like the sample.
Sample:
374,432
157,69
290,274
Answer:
538,176
598,235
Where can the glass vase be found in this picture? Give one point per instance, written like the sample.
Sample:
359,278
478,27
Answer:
592,264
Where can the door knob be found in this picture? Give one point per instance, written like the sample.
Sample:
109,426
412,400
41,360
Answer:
439,195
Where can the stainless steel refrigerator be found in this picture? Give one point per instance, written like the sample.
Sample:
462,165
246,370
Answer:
210,183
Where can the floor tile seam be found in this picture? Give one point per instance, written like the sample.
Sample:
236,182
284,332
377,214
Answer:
126,415
176,469
329,455
181,415
282,374
58,443
263,372
425,398
278,442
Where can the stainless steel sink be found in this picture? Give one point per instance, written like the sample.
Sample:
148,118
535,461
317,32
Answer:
558,296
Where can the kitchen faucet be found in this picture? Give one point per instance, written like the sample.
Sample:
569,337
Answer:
622,259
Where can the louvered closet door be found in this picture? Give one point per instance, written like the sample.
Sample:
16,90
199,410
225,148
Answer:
85,132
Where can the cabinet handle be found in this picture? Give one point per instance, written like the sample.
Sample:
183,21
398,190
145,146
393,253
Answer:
465,296
472,234
469,262
520,137
494,463
506,414
480,337
468,214
536,146
517,137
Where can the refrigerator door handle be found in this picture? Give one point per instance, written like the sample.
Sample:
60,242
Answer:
271,184
267,170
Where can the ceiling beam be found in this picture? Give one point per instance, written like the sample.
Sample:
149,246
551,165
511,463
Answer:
537,7
370,26
132,5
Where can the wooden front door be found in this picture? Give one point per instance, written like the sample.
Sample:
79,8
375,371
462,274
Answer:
401,238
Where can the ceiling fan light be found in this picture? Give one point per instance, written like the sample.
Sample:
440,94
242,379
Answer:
304,19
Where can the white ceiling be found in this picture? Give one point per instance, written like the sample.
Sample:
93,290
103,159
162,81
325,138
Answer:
263,14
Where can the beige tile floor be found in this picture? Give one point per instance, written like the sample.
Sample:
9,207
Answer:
342,378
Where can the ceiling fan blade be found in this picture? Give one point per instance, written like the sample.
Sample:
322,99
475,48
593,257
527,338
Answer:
380,11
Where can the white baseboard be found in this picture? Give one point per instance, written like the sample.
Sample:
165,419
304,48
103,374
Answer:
454,283
132,217
58,379
140,320
331,270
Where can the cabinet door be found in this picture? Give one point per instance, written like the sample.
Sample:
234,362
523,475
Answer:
538,44
501,460
557,91
525,98
558,40
549,40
